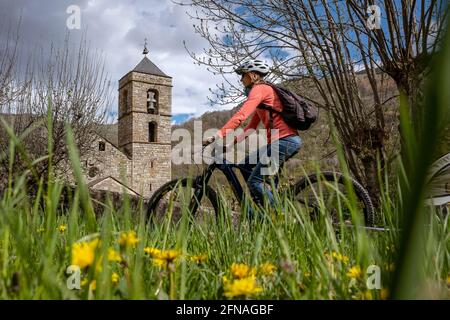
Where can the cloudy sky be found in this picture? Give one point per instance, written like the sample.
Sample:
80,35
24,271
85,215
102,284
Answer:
118,28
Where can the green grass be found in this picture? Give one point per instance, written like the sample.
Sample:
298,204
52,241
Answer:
310,256
311,259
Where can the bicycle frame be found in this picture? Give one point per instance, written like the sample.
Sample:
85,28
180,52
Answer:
226,168
202,180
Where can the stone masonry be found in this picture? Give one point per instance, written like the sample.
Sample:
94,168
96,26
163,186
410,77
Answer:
140,161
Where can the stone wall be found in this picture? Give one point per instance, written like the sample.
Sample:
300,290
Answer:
151,167
125,132
151,162
134,119
111,162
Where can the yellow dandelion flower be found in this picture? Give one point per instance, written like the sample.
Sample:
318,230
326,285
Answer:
128,239
152,252
62,228
240,270
339,257
114,277
355,272
113,255
169,255
267,269
242,287
159,263
162,258
93,285
368,295
83,253
199,258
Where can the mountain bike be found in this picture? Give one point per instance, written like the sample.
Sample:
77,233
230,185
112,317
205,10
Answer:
326,191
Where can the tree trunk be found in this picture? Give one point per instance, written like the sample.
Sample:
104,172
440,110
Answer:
409,86
371,153
372,183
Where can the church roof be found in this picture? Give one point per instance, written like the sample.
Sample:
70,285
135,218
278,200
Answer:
96,182
109,132
148,67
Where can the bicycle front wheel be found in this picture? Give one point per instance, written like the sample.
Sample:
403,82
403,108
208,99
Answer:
178,195
329,193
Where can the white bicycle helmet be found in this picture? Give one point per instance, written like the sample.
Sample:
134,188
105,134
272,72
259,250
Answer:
253,65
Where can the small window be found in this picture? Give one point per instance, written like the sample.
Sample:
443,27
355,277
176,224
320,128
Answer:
151,164
152,132
152,102
101,146
93,171
150,187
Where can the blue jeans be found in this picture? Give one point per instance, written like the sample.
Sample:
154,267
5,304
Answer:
256,167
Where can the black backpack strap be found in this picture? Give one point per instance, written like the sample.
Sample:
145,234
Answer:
271,111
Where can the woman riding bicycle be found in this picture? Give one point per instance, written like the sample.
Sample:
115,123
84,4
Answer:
283,141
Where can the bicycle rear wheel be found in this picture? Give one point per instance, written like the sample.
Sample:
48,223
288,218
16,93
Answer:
328,192
178,195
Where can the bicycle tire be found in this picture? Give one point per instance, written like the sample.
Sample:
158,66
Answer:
332,177
159,194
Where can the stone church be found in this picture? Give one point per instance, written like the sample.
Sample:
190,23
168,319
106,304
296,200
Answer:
135,157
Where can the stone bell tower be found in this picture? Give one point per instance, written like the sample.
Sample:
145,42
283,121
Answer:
145,106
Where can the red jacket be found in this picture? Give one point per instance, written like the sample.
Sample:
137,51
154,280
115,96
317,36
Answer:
260,94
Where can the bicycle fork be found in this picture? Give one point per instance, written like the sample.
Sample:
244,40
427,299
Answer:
198,185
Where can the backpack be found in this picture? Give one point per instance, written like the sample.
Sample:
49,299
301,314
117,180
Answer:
297,113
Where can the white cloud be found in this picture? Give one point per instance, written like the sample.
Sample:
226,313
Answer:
118,28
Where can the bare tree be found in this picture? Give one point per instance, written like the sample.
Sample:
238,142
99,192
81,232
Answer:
68,85
9,89
405,41
328,49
